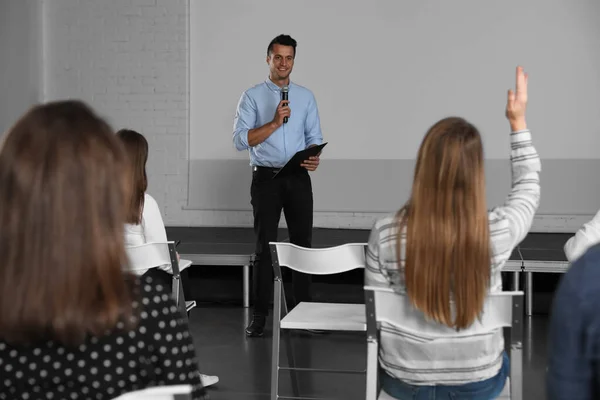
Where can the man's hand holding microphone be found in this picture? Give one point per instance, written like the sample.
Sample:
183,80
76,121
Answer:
282,115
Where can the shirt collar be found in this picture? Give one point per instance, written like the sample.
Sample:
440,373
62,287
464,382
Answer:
273,86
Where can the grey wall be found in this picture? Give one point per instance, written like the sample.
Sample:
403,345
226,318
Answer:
129,59
378,97
569,187
20,60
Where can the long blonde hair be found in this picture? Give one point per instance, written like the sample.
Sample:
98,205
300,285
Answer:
447,230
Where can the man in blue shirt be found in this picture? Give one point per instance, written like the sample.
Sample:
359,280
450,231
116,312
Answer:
259,127
574,337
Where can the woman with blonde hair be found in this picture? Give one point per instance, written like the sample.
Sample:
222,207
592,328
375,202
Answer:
73,324
445,251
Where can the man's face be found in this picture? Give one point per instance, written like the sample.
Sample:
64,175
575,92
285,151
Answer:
281,61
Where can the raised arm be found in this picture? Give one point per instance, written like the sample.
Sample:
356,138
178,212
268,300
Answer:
524,198
586,236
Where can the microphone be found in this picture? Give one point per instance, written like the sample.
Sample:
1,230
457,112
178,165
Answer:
284,96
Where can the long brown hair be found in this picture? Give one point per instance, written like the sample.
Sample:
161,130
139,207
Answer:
447,229
136,148
61,227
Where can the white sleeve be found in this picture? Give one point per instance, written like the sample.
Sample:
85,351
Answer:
587,236
523,200
154,227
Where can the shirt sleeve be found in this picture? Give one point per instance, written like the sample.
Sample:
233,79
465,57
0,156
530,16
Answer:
154,227
524,198
373,275
586,236
312,124
570,368
245,119
173,354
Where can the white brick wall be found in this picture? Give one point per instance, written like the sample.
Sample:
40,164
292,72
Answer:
20,67
128,59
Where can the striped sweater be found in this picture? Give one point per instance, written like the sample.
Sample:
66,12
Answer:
421,360
587,236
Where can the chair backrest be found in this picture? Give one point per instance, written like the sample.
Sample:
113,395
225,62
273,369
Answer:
396,309
174,392
325,261
501,309
151,255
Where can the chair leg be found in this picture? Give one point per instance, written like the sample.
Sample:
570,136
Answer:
515,280
372,385
289,345
516,371
529,293
276,339
179,296
292,362
246,286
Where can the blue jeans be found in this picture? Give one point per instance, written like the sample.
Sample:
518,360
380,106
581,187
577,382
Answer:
484,390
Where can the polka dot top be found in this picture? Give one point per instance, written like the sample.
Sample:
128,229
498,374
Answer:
158,352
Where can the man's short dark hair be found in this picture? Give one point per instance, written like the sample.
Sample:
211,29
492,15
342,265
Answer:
284,40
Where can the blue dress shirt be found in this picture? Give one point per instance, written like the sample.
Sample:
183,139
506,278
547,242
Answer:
257,107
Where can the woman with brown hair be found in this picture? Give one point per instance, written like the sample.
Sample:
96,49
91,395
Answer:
144,222
445,251
72,323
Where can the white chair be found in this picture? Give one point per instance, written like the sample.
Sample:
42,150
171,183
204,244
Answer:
315,316
501,309
154,254
174,392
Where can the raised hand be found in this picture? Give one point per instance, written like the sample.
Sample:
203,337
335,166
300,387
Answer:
283,110
516,103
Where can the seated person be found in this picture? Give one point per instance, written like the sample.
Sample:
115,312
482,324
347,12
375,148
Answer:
574,334
445,251
587,236
73,324
144,222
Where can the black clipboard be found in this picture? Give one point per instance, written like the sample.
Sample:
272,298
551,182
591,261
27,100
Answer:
294,164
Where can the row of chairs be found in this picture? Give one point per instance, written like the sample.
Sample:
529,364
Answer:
501,310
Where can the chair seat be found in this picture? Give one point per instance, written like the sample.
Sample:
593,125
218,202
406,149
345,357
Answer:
158,393
183,264
327,317
189,305
504,395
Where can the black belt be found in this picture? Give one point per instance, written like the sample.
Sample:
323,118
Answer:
257,168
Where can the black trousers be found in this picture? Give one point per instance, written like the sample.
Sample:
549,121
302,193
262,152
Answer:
292,194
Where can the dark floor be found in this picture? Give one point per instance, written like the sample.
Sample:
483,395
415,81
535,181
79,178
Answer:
244,364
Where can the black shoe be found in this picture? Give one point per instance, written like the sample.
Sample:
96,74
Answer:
256,327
